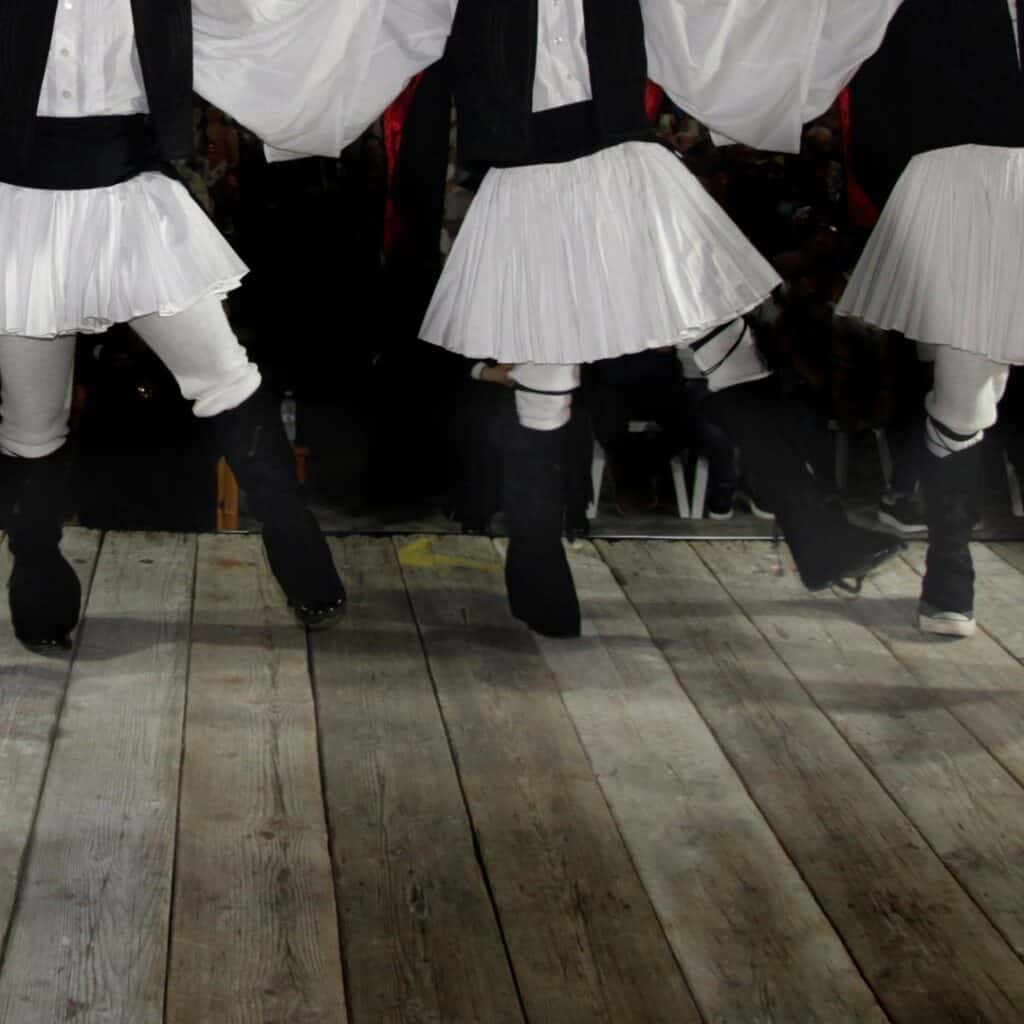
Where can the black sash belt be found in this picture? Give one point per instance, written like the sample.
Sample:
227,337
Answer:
567,133
82,152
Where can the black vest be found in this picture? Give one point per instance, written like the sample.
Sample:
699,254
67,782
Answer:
492,53
163,32
946,75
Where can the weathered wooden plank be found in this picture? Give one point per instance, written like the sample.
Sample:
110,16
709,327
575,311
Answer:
977,679
584,940
753,943
31,695
255,935
967,806
89,936
925,948
998,593
1010,551
422,943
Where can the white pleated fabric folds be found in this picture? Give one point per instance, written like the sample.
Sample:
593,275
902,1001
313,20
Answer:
81,260
309,76
572,262
944,263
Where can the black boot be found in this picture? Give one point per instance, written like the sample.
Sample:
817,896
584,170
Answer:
252,439
828,549
950,486
540,587
44,591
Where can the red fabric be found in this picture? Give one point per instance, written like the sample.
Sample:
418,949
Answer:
863,213
652,100
394,122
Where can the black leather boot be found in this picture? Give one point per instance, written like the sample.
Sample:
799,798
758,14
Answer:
252,439
540,588
950,486
44,591
828,549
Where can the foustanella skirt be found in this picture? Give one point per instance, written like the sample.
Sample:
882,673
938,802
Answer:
945,262
612,253
79,260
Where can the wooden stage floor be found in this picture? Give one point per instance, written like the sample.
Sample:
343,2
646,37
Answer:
730,801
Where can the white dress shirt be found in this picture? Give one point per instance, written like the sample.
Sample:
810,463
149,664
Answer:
93,67
563,72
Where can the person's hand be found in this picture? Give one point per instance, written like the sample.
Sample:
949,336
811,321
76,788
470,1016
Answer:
498,374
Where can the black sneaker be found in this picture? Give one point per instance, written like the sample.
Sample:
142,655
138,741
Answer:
719,502
901,514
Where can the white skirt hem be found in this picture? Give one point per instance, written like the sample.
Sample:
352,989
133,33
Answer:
79,261
614,253
943,264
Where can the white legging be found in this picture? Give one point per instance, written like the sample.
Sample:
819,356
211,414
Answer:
964,398
197,345
545,411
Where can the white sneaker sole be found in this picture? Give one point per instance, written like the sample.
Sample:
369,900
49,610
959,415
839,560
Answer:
939,625
901,527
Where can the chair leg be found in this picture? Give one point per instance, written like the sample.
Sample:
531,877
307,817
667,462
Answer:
842,448
679,483
1013,482
597,466
700,487
884,456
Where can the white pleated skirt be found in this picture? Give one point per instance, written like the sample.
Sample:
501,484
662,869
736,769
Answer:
945,263
571,262
81,260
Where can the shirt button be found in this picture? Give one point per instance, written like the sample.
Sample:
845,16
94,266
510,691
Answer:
559,40
66,93
65,52
68,5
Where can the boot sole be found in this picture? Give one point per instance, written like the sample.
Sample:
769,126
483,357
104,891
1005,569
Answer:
946,627
46,647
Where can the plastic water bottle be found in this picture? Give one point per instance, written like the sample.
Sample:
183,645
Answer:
288,410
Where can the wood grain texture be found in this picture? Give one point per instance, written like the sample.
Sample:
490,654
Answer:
751,939
255,926
924,947
977,679
421,941
584,940
89,936
965,804
31,696
998,593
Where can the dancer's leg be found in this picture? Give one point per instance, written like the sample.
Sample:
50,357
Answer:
961,407
826,547
35,390
540,586
211,367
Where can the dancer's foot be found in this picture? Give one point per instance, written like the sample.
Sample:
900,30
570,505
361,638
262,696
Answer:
45,596
259,454
843,555
319,615
945,622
